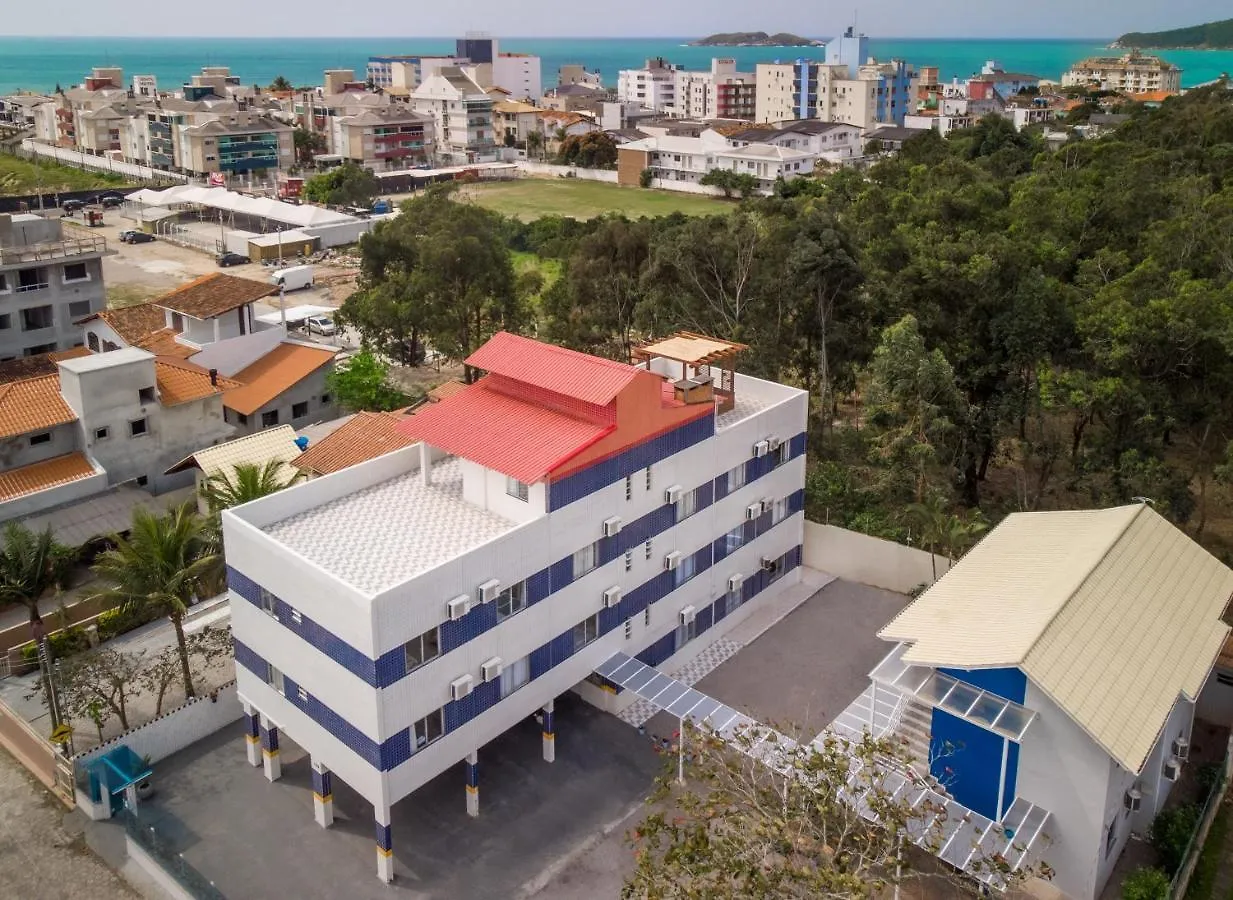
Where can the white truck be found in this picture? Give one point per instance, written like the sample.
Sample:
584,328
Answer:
294,278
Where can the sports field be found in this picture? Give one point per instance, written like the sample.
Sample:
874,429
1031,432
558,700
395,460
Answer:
531,198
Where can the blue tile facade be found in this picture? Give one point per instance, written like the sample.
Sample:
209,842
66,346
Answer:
391,666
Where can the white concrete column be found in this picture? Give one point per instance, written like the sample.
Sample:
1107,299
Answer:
425,464
473,783
550,735
385,843
269,750
252,735
323,795
130,798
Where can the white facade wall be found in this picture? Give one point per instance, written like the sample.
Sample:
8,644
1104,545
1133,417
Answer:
387,621
520,75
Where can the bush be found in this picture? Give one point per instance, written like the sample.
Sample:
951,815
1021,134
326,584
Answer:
114,622
63,643
1170,835
645,177
1145,884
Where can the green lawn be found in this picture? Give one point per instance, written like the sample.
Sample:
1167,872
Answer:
531,198
19,177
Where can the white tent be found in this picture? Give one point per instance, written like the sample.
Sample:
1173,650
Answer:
230,201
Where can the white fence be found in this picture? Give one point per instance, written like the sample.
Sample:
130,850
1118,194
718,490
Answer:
688,187
176,729
869,560
98,163
551,170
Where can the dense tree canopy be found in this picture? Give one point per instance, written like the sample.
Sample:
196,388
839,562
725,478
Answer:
346,185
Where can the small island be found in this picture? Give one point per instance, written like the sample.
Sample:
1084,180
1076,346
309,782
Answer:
1211,36
755,39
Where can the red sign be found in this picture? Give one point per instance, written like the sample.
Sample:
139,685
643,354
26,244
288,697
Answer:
218,179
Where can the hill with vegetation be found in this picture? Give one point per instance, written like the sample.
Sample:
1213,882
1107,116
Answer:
1211,36
755,39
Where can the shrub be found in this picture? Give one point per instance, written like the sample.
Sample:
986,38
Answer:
1146,884
114,622
645,177
63,643
1170,835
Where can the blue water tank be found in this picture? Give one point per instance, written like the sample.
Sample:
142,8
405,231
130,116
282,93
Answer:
302,443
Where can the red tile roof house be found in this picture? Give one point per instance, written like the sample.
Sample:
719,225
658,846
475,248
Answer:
395,616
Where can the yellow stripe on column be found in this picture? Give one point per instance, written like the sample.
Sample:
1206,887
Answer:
381,851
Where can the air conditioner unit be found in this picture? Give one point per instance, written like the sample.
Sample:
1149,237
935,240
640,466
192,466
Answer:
491,670
769,564
768,504
753,510
772,444
688,614
488,590
612,597
673,494
612,527
735,582
461,687
458,607
1133,799
760,448
1181,749
1172,769
672,560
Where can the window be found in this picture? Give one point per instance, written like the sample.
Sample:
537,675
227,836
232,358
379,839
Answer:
1111,837
76,272
91,341
143,480
44,438
79,308
299,410
515,675
585,559
101,434
646,617
733,600
269,419
36,317
586,631
137,427
145,395
780,511
241,418
687,505
781,455
734,539
325,399
519,490
629,560
629,487
686,633
268,601
629,629
686,569
423,649
274,679
736,478
4,283
648,549
648,478
511,600
773,570
428,729
108,346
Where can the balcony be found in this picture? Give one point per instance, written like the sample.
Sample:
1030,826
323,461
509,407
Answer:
50,250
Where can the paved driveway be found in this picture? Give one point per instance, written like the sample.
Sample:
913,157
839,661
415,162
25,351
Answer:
255,839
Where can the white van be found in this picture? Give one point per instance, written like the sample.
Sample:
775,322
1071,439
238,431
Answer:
294,278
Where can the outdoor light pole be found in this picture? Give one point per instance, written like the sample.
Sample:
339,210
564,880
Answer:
680,755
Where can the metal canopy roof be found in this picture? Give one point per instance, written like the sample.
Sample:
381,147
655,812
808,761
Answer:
960,836
937,689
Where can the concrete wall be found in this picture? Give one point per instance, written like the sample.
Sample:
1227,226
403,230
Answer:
551,170
176,729
18,451
99,163
231,355
308,390
869,560
686,187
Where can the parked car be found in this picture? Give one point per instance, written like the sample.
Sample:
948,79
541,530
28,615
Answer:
135,237
322,325
109,201
73,206
232,259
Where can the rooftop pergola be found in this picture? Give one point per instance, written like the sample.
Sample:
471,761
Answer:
698,355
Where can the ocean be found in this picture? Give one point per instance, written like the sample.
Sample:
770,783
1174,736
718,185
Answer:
39,64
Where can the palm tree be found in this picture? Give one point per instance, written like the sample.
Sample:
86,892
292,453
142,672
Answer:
162,565
281,84
30,564
247,481
942,531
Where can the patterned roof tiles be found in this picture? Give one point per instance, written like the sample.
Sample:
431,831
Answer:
182,382
282,367
214,294
566,372
33,405
365,436
42,475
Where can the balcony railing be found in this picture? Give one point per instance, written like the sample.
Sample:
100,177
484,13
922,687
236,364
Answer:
28,288
50,250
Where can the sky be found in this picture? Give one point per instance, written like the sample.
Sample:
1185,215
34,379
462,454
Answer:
569,18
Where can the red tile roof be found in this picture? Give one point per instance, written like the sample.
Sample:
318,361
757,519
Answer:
520,439
551,368
366,436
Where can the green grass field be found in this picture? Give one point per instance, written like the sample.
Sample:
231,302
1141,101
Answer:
19,177
531,198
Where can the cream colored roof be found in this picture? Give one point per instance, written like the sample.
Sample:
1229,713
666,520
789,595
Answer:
255,449
690,348
1112,613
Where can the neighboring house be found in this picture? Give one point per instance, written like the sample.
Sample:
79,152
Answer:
1132,73
652,86
365,436
1048,681
461,114
576,98
555,126
46,283
394,617
286,386
890,139
514,118
687,159
833,141
252,449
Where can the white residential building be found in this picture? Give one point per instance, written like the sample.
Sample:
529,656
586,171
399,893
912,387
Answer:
653,86
689,159
1131,74
461,113
1048,683
721,93
394,617
519,73
832,141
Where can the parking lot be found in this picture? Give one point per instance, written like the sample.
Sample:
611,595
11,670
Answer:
554,831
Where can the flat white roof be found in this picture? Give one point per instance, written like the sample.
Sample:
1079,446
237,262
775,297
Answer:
389,533
96,361
296,314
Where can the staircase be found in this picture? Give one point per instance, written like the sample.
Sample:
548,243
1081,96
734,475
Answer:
913,732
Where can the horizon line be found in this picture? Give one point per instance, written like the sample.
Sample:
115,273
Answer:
540,37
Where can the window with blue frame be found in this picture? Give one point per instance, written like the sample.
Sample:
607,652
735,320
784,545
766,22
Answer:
586,631
511,600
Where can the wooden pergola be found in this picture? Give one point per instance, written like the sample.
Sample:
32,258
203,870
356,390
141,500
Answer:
707,366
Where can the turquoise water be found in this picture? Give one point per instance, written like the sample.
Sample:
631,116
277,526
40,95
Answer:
41,63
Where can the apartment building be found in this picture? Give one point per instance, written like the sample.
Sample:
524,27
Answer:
394,617
513,120
461,114
243,144
721,93
1131,73
653,86
387,138
519,73
689,159
47,282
